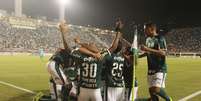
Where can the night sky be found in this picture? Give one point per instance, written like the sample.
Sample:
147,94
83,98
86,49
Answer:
102,13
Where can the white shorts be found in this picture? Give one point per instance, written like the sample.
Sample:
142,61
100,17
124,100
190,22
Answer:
157,80
129,95
57,75
87,94
115,94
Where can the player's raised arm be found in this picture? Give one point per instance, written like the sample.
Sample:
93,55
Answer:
63,27
90,46
118,27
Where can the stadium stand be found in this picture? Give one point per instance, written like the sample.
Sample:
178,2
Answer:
184,40
29,35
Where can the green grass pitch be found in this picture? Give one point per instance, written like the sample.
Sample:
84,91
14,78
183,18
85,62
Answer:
184,77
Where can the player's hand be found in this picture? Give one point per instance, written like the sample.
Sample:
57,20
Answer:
77,40
161,52
126,56
144,48
97,56
73,92
118,25
63,27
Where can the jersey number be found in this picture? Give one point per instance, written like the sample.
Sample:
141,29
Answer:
117,70
89,70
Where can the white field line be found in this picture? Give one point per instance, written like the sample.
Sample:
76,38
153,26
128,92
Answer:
191,96
16,87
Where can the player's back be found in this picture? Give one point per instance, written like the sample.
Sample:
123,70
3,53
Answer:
90,72
114,64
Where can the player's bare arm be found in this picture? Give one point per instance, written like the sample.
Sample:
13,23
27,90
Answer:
90,46
92,50
128,57
88,52
142,55
85,49
118,28
63,27
160,52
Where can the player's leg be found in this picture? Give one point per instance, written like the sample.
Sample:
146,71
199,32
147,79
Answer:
52,86
59,78
158,86
73,92
66,87
84,94
51,68
53,82
119,94
153,96
135,91
103,93
127,93
95,95
110,94
161,92
136,88
115,94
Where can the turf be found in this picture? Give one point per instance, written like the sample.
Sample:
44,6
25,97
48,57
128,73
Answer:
29,72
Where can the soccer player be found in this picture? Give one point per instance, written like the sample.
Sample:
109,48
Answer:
41,54
60,86
155,50
128,74
114,64
91,69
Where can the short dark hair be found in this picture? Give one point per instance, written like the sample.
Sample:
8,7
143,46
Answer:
150,24
129,50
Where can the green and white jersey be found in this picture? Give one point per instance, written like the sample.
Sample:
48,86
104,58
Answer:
156,63
90,72
113,70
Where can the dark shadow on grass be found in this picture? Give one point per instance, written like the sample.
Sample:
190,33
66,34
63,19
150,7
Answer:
27,96
142,99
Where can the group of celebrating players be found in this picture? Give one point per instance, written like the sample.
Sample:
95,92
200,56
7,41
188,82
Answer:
87,73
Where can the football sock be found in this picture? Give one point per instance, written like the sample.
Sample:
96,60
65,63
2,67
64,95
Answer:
163,94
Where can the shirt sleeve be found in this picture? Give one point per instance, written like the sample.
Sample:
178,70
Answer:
162,44
105,54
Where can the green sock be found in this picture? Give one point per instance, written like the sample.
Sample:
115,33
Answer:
163,94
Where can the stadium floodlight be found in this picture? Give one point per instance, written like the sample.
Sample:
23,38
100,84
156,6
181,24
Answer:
62,7
64,2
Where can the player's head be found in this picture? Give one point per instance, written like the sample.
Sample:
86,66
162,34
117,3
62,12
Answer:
150,29
119,47
128,51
